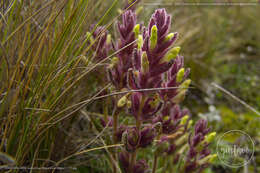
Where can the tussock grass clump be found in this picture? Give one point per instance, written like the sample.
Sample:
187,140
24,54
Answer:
44,75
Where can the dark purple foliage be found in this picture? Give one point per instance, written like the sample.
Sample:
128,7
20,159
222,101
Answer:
101,46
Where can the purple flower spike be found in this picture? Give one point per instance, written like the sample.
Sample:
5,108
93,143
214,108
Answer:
162,20
126,29
201,127
155,57
125,46
103,45
197,139
198,147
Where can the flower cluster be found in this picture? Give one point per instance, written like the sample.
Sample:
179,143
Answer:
125,46
199,153
102,45
147,59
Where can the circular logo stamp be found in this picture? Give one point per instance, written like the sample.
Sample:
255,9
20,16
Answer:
235,148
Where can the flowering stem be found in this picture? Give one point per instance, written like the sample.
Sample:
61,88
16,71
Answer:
138,126
154,163
115,124
155,156
138,118
132,162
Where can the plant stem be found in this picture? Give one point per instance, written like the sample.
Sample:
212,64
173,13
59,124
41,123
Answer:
155,156
115,124
105,108
155,163
138,126
138,118
132,161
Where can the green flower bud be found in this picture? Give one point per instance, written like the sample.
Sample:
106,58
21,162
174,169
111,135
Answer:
208,159
155,101
88,34
108,40
136,30
114,62
89,37
184,120
175,50
179,97
210,137
153,37
136,73
169,37
182,91
190,124
122,101
172,54
129,104
185,85
180,75
145,63
139,42
212,158
166,118
120,11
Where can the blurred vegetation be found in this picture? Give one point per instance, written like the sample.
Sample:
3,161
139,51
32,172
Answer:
46,73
